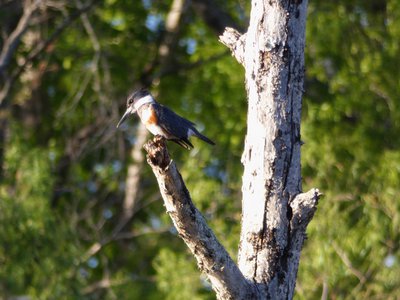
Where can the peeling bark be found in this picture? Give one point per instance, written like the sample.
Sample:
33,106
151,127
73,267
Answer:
234,41
275,211
212,258
273,221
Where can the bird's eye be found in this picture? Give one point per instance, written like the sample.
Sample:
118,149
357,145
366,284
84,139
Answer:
130,101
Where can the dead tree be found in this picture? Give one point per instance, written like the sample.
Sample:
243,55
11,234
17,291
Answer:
275,211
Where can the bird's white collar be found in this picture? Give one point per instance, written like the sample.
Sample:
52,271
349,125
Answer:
144,100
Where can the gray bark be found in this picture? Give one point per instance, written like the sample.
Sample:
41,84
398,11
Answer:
275,211
273,57
212,258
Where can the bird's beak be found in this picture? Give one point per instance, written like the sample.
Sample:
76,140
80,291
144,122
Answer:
130,110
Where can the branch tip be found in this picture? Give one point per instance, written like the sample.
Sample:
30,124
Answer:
304,206
157,153
235,41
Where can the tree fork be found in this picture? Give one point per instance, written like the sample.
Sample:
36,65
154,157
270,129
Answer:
275,211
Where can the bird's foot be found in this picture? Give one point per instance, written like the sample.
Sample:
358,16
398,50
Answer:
159,139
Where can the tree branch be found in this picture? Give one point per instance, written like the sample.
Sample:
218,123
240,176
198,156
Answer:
11,44
134,174
33,54
346,260
105,283
303,207
212,258
57,32
164,60
235,41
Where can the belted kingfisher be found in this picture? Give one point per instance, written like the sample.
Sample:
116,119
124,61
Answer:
160,120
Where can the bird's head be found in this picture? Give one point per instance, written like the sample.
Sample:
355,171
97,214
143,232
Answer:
134,102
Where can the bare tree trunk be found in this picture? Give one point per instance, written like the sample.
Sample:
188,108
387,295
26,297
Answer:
272,52
275,211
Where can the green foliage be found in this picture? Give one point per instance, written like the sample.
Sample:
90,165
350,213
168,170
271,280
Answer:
351,152
177,276
39,251
66,164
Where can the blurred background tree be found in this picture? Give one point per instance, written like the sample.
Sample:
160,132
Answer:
63,165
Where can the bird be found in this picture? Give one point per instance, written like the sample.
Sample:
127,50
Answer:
160,120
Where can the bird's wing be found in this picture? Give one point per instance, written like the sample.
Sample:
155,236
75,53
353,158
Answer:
174,124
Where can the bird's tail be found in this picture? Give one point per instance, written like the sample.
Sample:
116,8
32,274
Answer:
202,137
